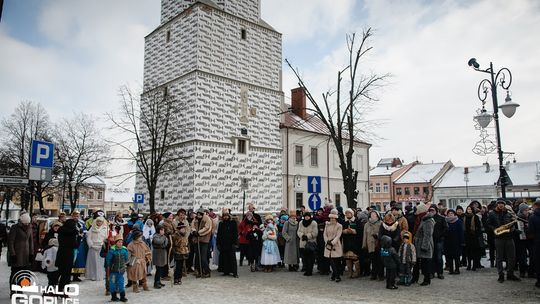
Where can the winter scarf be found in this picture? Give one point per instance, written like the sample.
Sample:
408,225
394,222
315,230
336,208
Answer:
306,223
451,219
392,227
470,217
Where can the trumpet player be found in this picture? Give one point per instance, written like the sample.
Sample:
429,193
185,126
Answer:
503,225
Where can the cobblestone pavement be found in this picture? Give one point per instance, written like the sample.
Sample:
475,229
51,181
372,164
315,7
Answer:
258,287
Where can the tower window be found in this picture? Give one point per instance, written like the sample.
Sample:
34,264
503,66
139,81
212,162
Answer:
162,194
243,32
168,36
241,146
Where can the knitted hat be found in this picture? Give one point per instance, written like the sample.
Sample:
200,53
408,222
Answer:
292,213
166,214
307,214
389,218
136,227
459,208
333,215
451,210
25,218
268,217
408,208
349,210
181,225
421,208
522,207
334,211
118,237
200,211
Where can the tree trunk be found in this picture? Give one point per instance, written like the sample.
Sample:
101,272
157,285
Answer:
151,199
39,195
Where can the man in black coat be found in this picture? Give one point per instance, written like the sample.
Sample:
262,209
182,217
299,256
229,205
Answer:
439,232
534,229
504,242
227,242
68,241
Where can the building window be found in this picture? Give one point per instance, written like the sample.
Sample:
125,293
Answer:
162,194
385,188
100,195
299,155
299,199
243,34
168,36
407,191
398,191
91,194
314,157
241,146
50,198
416,190
337,200
370,187
426,190
165,92
377,188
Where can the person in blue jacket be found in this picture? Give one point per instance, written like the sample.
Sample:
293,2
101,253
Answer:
116,259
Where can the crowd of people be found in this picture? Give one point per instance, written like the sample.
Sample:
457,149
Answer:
397,246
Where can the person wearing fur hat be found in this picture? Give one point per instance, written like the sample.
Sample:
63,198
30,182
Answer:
473,236
390,260
117,259
270,252
49,261
370,242
202,231
160,243
139,256
227,242
333,248
352,243
391,228
20,245
96,239
421,211
307,232
290,234
407,258
504,242
402,221
68,241
423,241
52,233
180,250
454,241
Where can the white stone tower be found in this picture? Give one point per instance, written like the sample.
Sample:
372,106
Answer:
222,63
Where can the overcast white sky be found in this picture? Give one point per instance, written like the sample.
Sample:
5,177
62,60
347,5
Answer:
73,55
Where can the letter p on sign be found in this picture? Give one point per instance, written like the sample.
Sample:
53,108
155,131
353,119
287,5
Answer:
42,154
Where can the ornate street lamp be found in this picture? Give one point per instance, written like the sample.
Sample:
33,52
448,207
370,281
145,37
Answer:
502,78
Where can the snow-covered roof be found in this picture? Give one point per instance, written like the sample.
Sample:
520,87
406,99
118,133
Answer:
421,173
521,174
379,171
477,176
94,180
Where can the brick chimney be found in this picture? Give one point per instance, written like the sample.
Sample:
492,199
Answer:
298,102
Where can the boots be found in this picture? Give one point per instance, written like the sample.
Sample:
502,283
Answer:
114,298
136,288
350,267
501,277
123,297
145,285
129,284
356,273
157,285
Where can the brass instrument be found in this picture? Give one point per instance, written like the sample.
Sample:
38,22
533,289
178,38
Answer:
506,227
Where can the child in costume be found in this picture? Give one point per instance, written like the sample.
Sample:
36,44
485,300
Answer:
117,258
270,251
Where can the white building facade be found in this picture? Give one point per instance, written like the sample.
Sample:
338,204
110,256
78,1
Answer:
308,150
222,64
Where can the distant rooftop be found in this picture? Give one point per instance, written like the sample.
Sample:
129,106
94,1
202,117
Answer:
421,173
390,162
381,171
522,174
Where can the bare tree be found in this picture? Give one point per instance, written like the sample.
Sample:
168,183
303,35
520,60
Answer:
81,153
343,111
29,121
150,136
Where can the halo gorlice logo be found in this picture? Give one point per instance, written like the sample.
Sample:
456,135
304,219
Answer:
27,290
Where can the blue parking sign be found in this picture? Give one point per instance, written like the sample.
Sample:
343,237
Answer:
139,198
42,154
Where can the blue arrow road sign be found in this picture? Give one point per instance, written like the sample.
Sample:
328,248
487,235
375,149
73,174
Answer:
314,184
314,202
139,198
42,154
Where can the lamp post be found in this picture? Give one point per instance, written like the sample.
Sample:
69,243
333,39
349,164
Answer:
502,78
